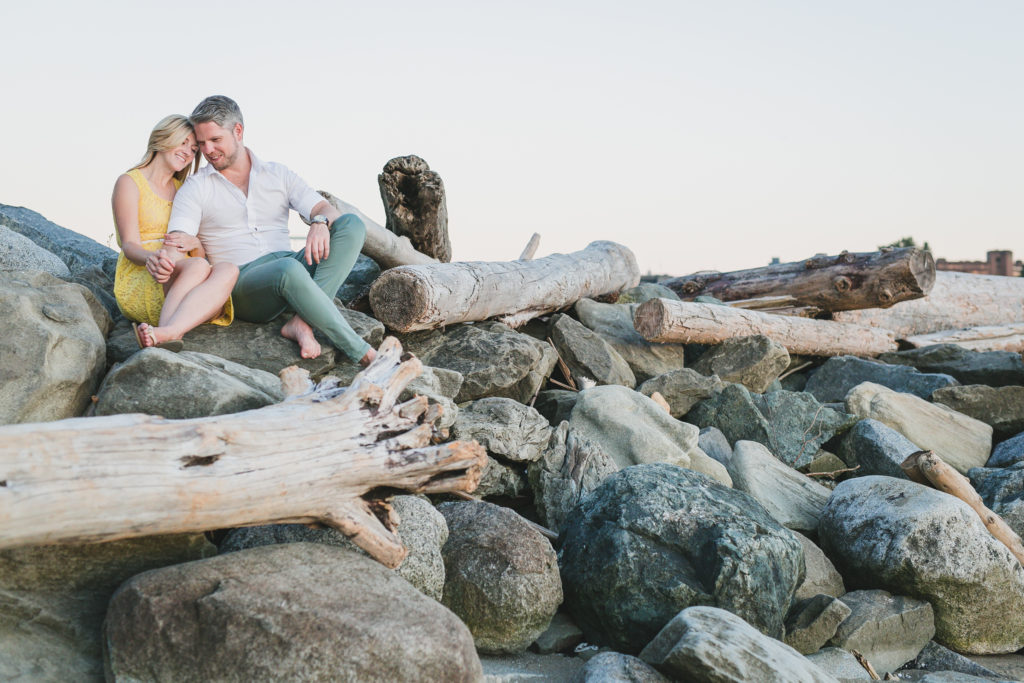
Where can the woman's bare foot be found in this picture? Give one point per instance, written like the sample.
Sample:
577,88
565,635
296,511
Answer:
162,337
299,331
368,358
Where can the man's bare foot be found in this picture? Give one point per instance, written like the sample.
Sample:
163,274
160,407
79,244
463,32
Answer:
368,358
299,331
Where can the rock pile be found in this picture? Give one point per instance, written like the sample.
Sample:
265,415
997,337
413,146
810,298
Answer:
617,540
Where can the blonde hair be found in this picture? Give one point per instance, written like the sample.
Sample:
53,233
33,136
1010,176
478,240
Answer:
166,135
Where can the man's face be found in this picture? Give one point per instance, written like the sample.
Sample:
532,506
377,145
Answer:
221,146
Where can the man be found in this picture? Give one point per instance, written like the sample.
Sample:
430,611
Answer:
237,206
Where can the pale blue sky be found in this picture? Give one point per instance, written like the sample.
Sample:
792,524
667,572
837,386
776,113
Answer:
703,135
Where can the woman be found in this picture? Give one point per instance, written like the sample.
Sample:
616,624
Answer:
195,292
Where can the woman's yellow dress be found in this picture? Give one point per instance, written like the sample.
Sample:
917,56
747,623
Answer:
138,295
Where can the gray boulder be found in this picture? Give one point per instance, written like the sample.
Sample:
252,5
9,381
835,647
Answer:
501,576
876,448
52,352
1000,407
614,322
555,405
258,346
54,599
91,264
654,539
755,361
833,380
793,425
1007,453
934,657
682,388
440,386
184,385
633,429
493,359
561,635
588,355
712,441
821,576
889,630
645,291
1002,491
793,499
357,284
917,541
18,252
502,479
569,467
813,622
529,667
711,644
506,428
615,667
840,664
994,368
297,611
421,529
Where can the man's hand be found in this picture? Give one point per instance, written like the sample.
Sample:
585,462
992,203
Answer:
181,241
160,266
318,243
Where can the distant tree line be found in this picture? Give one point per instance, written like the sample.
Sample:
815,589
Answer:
905,242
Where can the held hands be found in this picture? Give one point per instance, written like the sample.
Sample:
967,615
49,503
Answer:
160,266
180,241
318,243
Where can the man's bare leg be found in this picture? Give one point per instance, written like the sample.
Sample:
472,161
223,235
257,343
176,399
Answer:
299,331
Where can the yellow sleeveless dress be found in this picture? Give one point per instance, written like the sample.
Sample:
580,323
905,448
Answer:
138,295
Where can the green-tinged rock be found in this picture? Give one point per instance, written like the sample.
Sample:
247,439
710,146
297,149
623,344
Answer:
755,361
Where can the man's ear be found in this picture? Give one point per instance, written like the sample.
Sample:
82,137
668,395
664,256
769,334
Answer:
237,130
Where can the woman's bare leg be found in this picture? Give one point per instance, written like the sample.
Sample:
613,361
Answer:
200,304
188,274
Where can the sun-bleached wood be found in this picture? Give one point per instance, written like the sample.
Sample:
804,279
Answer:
429,296
531,247
957,300
382,245
829,283
925,467
667,320
982,338
329,456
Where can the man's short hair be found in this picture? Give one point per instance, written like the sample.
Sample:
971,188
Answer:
220,109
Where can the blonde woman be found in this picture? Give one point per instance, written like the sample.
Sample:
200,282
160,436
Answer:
166,289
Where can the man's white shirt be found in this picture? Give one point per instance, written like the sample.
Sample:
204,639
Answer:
234,227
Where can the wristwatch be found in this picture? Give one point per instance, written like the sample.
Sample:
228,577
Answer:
319,218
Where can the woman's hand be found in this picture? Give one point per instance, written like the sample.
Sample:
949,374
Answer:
181,241
160,266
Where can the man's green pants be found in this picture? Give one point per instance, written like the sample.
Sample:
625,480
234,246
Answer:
282,280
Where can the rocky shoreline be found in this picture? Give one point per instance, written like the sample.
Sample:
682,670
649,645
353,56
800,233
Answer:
717,512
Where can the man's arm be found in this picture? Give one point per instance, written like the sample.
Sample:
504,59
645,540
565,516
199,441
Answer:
318,239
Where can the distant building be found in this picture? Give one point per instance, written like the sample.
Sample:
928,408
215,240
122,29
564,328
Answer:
996,263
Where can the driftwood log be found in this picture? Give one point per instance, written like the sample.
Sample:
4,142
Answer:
329,456
829,283
926,468
957,300
667,320
430,296
982,338
414,205
382,245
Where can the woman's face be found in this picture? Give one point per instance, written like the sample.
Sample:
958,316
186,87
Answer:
182,155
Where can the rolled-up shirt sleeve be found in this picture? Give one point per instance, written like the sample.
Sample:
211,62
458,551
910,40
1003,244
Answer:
187,210
301,197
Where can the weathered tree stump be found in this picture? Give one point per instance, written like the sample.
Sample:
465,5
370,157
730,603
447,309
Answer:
666,320
429,296
415,207
330,456
829,283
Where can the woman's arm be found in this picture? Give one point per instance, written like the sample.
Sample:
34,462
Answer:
125,202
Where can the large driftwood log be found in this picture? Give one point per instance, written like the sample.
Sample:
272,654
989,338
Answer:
982,338
667,320
425,297
382,245
414,205
327,457
925,467
956,301
829,283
